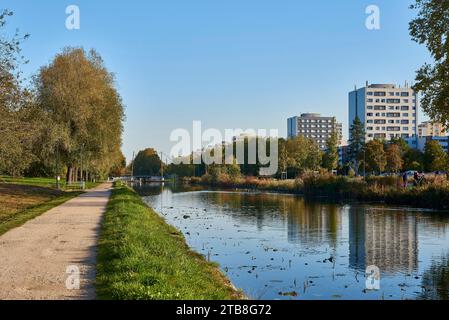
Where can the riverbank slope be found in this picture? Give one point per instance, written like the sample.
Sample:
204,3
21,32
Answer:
142,257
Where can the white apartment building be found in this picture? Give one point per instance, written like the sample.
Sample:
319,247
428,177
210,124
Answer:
314,126
386,110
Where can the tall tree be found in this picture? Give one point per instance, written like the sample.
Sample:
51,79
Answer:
356,142
330,157
401,143
413,160
430,28
435,159
375,157
283,156
147,163
17,126
303,154
119,169
77,94
394,157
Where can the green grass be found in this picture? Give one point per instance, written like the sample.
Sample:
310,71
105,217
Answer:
142,257
41,182
12,219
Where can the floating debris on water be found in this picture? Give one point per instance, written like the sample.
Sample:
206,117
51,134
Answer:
288,294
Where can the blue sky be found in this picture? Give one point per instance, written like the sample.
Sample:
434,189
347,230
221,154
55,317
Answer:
231,64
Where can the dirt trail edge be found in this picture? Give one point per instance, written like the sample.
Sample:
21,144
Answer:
42,258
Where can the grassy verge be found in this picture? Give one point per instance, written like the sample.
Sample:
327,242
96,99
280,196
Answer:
20,203
40,182
142,257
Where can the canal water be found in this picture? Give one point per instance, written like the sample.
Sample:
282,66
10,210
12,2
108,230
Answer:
276,246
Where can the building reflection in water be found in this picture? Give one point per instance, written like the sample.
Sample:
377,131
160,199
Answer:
312,225
383,238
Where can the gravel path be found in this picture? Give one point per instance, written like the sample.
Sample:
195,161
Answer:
40,260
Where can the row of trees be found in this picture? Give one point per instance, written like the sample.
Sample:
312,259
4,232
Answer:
66,120
293,155
378,156
300,154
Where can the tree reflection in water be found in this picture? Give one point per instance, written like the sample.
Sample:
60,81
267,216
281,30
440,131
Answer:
435,282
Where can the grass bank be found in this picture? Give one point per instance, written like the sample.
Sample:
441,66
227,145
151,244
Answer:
142,257
21,202
432,194
40,182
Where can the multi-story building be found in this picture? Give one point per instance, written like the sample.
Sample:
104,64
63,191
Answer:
420,142
387,111
314,126
431,129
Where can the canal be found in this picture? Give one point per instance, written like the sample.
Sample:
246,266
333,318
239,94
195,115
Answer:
276,246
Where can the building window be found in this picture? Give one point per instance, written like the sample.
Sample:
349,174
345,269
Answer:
393,100
393,114
380,94
405,94
393,128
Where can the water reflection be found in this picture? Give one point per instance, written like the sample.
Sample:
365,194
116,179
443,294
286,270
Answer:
383,238
435,283
273,244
